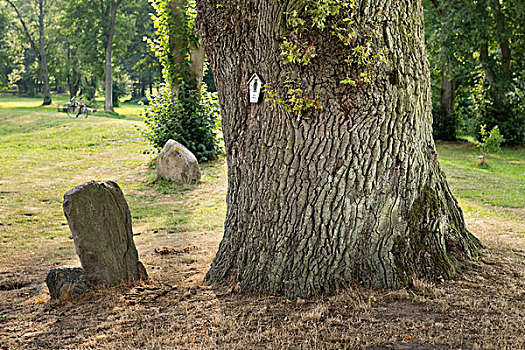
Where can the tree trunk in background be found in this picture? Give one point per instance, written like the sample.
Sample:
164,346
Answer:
181,46
351,192
40,49
495,86
448,90
90,90
43,56
178,43
197,58
501,29
448,93
108,102
448,83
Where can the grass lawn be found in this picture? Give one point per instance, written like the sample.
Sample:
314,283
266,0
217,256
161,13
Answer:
44,153
500,185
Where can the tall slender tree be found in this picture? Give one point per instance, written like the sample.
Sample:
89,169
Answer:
40,48
333,176
182,109
109,8
4,52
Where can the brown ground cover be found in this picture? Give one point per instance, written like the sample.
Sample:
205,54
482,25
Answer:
483,308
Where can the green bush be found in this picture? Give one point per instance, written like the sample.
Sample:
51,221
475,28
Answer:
507,113
490,142
195,124
138,101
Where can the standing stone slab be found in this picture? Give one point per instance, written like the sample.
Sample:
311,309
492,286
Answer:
176,163
100,221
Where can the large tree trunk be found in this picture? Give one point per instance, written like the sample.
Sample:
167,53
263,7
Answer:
350,192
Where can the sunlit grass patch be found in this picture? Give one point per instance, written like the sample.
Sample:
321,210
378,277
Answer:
500,185
44,153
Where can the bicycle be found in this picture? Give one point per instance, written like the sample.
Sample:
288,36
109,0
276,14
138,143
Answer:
76,108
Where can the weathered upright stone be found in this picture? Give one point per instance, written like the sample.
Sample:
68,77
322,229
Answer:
176,163
100,221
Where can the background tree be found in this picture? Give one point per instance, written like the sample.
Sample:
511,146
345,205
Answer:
88,30
335,177
476,48
182,109
442,57
83,33
76,43
138,61
25,11
4,51
109,9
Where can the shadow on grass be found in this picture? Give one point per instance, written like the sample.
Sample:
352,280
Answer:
180,207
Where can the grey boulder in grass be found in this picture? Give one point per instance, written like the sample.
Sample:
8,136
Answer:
176,163
100,221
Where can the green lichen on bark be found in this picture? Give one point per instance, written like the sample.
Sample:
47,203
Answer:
358,37
427,203
422,252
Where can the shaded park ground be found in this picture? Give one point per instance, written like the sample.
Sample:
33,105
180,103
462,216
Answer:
44,153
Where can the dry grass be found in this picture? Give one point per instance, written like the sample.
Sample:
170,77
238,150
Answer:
483,308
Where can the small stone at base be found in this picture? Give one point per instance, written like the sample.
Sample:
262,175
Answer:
67,282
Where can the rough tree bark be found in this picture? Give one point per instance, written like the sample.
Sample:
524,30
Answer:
350,192
108,69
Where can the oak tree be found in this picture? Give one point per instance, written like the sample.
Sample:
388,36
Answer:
333,176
